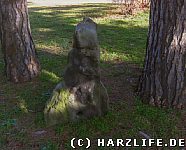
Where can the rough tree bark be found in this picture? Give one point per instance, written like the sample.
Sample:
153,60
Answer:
21,63
163,82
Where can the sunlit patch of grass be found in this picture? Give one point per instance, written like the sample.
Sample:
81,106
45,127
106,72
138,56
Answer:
23,106
45,30
49,76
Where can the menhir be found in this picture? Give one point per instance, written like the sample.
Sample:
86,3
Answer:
82,95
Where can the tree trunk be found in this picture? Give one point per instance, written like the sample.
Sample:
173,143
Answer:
21,63
163,82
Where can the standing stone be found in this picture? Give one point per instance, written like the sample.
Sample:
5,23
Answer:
82,95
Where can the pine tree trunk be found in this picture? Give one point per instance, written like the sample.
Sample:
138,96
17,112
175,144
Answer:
163,82
21,63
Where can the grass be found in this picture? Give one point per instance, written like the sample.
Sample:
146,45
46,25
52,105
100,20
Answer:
122,42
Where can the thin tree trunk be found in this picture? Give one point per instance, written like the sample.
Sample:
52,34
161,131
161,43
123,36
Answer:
21,63
163,82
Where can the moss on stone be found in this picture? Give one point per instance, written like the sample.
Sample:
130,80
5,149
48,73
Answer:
62,105
56,110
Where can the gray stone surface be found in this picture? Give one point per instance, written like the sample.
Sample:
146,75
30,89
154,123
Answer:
82,95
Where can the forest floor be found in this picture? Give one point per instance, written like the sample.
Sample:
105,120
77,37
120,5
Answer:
122,41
